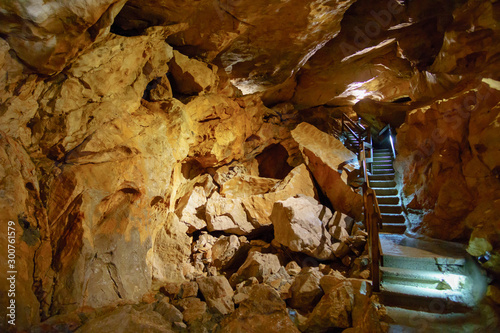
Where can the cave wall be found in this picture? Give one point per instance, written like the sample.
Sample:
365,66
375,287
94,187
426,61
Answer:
119,120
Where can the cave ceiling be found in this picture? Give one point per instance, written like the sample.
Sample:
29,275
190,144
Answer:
321,52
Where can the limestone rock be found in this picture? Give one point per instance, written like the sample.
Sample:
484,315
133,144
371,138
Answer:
257,265
262,311
193,309
333,310
220,128
217,293
224,250
379,114
364,315
459,185
341,220
25,224
324,156
281,281
305,290
259,207
128,319
190,207
169,312
192,76
299,224
339,233
340,249
227,172
245,186
243,34
227,215
103,84
171,248
293,268
188,289
162,91
45,43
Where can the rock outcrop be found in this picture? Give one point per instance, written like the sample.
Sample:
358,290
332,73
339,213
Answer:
300,224
327,158
262,311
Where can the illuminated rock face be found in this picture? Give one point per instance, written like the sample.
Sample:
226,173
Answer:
129,167
448,157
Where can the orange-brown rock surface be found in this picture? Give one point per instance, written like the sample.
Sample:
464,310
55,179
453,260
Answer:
327,158
448,156
140,172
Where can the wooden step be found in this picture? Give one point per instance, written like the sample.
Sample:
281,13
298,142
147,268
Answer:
386,176
385,191
388,199
391,209
393,218
382,171
393,228
382,183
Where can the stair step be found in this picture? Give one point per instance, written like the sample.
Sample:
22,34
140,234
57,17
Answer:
381,166
382,155
425,300
383,150
396,209
386,176
382,183
393,228
431,319
385,191
393,218
382,160
405,252
423,279
382,171
431,264
388,199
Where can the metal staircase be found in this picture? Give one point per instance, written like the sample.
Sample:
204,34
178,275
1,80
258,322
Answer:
425,285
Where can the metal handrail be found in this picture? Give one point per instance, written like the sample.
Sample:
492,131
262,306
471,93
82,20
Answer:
358,126
372,214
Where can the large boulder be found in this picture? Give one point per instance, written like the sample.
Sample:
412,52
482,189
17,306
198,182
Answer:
260,206
257,265
262,311
306,291
223,214
218,293
224,250
300,224
325,156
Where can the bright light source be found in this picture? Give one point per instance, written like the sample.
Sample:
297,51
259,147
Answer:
354,90
454,281
247,87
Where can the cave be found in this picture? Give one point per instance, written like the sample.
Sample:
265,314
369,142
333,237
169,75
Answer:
250,166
